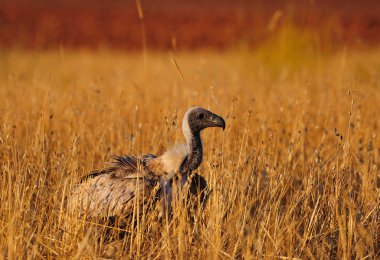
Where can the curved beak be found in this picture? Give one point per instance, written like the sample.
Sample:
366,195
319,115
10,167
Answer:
218,121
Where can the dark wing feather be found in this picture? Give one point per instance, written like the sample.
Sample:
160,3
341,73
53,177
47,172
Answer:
199,189
94,174
126,163
198,184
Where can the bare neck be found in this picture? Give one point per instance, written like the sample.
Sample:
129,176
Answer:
195,153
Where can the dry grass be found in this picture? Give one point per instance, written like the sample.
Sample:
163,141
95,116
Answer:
295,174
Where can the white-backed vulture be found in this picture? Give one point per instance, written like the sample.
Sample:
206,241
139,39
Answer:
131,182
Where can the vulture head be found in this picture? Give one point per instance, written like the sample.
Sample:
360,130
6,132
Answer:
197,119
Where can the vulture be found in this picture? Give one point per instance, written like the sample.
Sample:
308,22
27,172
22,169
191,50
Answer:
130,183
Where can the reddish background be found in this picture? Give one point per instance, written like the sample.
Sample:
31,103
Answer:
186,24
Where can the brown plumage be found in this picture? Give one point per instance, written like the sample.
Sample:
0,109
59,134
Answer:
115,191
130,184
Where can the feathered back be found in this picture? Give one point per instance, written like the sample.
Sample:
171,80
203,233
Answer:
126,164
115,190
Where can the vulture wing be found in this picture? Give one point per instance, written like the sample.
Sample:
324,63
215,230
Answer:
125,186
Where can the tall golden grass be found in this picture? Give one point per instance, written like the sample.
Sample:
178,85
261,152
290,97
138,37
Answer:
294,175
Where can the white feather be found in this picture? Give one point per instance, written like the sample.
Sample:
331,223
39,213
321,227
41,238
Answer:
172,159
185,125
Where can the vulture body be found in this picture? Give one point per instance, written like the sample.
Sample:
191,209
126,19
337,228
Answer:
132,183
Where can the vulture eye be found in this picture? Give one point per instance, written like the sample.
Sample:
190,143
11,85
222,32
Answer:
201,116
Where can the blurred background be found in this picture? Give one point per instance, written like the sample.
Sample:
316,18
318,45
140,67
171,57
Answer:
181,24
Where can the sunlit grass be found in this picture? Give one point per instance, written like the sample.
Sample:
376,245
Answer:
295,173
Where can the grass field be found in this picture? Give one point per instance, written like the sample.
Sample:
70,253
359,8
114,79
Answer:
294,175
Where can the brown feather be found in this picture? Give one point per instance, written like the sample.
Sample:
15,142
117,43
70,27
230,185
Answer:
125,186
